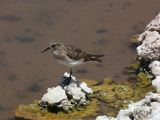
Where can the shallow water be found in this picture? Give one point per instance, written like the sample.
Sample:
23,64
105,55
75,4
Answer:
27,27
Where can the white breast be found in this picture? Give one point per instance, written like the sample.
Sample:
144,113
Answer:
70,63
66,60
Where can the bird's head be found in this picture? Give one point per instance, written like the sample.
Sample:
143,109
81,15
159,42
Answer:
52,46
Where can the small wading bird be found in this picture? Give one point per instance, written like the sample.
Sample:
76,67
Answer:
71,56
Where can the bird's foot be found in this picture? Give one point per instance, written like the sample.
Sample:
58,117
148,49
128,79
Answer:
67,80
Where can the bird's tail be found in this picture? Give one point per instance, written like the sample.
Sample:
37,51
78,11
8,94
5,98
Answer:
91,57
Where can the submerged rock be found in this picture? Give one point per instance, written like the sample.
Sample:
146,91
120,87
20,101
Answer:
108,97
124,91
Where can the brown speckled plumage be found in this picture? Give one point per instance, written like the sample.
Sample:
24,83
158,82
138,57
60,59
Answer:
71,55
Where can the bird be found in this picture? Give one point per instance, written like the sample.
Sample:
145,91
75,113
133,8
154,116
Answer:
71,56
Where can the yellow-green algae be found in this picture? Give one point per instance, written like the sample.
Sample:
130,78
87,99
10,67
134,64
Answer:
107,97
143,79
35,112
135,65
124,91
113,96
118,96
134,39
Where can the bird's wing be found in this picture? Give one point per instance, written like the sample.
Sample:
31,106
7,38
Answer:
75,53
78,54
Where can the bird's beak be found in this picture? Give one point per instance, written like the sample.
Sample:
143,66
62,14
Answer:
48,48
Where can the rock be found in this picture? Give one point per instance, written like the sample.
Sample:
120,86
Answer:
155,111
156,84
102,118
85,88
154,24
145,109
75,91
67,96
54,95
66,105
155,68
135,111
150,47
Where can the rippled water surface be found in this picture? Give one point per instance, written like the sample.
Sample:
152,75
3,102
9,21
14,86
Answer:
96,26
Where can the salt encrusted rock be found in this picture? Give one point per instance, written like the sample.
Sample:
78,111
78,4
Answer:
75,91
155,111
148,34
156,84
150,41
154,24
67,96
150,47
112,118
155,68
66,105
54,95
146,109
102,118
85,88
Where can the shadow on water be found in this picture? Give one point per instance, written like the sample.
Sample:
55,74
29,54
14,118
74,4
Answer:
35,87
102,31
101,42
10,18
81,71
25,39
12,77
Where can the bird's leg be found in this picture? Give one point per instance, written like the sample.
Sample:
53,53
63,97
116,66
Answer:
70,76
68,79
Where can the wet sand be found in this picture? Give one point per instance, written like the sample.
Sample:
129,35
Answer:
100,27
